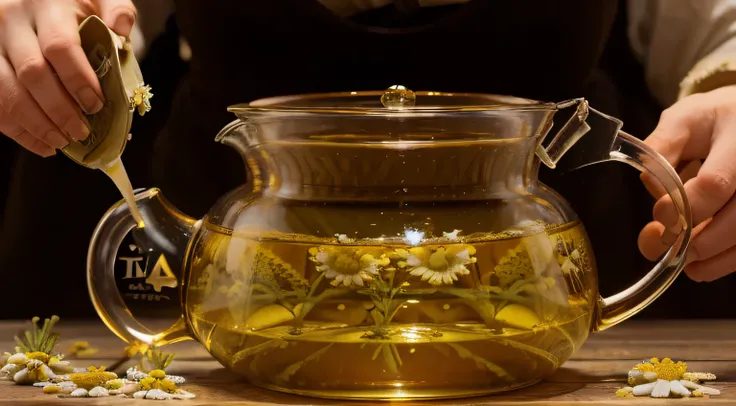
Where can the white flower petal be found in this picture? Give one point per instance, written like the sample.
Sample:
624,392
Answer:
435,279
80,393
413,260
98,392
661,389
371,270
644,389
463,256
18,358
331,273
357,279
419,271
158,394
322,257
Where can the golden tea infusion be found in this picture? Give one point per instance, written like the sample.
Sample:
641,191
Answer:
297,314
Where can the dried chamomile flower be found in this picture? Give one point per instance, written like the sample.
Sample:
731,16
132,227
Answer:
81,349
157,380
93,377
155,385
33,361
441,265
347,266
664,379
141,98
34,371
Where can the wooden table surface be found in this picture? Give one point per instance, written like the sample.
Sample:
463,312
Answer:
590,377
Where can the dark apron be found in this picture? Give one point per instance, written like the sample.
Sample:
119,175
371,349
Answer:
247,50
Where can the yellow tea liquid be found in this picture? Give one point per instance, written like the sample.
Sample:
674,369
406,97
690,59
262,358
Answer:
116,172
459,318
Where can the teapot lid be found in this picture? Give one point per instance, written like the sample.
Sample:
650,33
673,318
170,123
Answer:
390,101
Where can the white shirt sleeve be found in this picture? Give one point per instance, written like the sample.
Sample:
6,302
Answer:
686,46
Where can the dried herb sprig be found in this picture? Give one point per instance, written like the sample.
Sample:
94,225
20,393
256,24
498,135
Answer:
158,359
38,340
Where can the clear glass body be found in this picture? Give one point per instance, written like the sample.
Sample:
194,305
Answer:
366,250
386,252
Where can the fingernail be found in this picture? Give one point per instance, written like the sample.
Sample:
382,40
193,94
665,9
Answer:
89,101
48,153
124,23
77,128
56,140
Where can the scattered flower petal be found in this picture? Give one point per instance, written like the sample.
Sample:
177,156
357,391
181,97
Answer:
698,376
644,390
689,384
625,391
158,394
80,393
18,358
677,388
98,392
52,389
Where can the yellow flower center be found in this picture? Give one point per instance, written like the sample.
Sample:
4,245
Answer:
346,264
665,369
438,260
157,373
94,377
41,356
152,382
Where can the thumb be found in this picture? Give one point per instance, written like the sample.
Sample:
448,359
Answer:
119,15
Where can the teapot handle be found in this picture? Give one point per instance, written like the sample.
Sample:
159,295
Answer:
164,239
595,137
619,307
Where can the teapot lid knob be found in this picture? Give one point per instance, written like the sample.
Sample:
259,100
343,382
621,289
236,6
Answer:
398,97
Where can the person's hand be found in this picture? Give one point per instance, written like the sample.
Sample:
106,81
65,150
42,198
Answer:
699,127
45,79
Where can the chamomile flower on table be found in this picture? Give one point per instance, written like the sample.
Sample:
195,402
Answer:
665,379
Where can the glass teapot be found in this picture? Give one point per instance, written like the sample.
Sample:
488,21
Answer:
382,233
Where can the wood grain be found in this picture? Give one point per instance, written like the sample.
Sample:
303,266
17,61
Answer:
590,377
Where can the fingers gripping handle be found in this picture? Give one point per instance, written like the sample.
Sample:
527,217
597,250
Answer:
591,137
164,239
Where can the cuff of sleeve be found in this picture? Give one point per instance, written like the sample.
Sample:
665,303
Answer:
709,74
